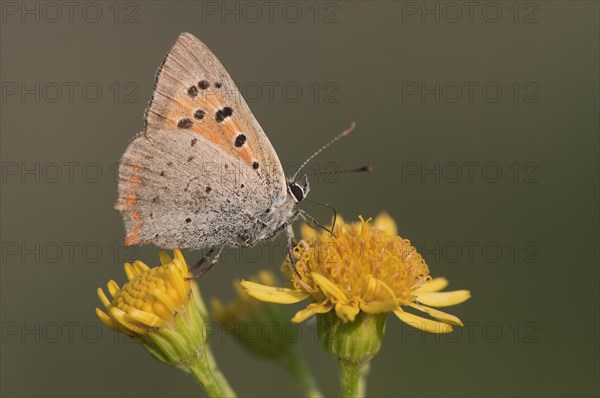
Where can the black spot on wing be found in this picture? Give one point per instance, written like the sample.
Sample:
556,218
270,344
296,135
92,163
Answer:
221,114
199,114
240,140
185,123
192,92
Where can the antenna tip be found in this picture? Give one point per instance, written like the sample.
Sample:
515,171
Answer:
368,168
348,130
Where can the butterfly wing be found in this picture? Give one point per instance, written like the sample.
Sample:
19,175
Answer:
188,193
194,92
197,121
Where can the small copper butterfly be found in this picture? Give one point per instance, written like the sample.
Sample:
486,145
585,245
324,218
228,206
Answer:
203,174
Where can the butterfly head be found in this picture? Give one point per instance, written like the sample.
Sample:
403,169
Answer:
298,190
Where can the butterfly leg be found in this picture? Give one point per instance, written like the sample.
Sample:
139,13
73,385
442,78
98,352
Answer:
203,259
313,222
206,262
291,243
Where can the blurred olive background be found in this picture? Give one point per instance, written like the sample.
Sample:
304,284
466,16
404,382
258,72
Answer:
518,225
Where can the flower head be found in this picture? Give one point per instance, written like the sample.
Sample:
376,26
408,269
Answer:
160,308
363,267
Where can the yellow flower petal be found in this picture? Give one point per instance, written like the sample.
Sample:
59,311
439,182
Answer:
439,315
130,271
164,299
125,321
386,223
329,287
179,283
434,285
103,299
272,294
376,307
424,324
113,288
105,319
144,317
384,304
182,267
347,312
140,266
178,255
443,299
312,309
164,258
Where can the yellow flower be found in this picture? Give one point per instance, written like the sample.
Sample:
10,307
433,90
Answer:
366,268
151,298
162,309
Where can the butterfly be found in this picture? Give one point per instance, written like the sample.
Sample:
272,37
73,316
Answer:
202,173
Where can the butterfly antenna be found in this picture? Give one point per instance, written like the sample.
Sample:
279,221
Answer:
368,168
342,134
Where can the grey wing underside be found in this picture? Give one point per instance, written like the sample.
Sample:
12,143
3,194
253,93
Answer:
187,193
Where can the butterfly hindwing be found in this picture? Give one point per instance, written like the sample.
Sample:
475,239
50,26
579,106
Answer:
187,193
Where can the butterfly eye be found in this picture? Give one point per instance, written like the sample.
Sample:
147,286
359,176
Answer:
297,192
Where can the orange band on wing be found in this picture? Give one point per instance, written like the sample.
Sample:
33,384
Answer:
130,199
130,203
199,115
133,237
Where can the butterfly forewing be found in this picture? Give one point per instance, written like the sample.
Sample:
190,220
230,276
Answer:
194,92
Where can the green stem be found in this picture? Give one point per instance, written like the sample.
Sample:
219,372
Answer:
207,373
298,368
353,378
